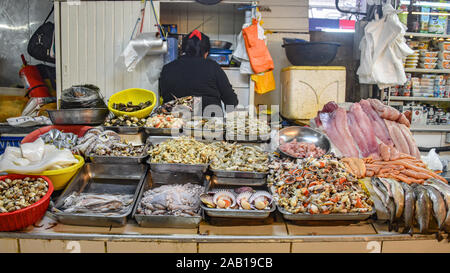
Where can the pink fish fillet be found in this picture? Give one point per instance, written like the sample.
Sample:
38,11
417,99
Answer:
357,134
332,133
366,127
397,137
378,125
388,112
339,117
413,150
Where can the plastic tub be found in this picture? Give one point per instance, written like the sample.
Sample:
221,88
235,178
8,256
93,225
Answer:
61,177
444,46
79,130
444,55
428,65
428,59
431,54
19,219
444,64
136,96
310,53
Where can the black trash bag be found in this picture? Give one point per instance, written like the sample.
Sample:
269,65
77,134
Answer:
82,96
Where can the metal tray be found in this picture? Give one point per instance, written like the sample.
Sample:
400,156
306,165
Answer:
325,217
162,131
237,213
178,167
238,174
128,130
120,159
163,221
205,134
248,138
168,177
102,178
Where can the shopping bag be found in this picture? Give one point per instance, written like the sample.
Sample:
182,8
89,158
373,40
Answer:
258,53
264,82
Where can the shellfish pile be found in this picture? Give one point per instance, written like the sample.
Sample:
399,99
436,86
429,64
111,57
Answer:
121,149
96,139
125,121
178,200
244,198
185,150
237,157
316,185
247,126
17,194
213,124
164,121
130,107
180,103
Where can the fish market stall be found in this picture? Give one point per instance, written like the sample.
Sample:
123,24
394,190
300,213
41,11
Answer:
302,190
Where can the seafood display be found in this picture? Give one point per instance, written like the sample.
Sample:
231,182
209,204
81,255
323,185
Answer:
164,121
60,139
35,157
213,124
121,149
130,107
17,194
97,203
301,149
238,157
355,166
97,139
246,126
177,200
357,132
243,198
316,186
125,121
423,205
400,166
184,103
185,150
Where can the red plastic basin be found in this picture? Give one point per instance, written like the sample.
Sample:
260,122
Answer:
79,130
19,219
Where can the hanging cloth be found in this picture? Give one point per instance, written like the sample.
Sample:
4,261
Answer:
258,53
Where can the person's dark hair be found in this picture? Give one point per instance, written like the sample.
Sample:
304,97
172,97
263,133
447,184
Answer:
193,46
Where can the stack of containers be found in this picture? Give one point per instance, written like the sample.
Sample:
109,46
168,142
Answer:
447,88
428,59
415,87
427,85
439,86
444,55
411,61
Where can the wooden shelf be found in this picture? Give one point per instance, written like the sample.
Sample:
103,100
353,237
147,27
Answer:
423,70
403,98
427,35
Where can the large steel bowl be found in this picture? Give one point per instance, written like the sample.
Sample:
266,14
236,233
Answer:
88,116
304,134
220,44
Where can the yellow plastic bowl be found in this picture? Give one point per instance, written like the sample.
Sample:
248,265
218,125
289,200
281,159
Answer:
136,96
61,177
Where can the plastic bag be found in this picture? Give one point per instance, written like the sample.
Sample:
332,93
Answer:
82,96
264,82
258,53
432,160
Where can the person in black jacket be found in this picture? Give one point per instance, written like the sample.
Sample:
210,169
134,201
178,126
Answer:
194,75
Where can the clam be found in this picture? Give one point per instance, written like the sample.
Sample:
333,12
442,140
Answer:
261,200
224,199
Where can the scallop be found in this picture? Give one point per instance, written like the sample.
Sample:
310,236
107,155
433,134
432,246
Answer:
207,199
224,199
261,200
243,189
243,199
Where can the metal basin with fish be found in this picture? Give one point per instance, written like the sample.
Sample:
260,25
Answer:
102,179
304,134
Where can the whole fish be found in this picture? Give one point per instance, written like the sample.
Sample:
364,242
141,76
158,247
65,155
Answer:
439,210
444,189
387,200
380,208
423,208
397,195
409,209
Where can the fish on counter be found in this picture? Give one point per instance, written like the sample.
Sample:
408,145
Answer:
409,210
423,208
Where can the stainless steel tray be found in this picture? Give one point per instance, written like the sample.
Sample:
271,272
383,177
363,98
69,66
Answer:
178,167
238,174
163,221
237,213
102,178
324,217
205,134
102,159
128,130
247,138
168,177
162,131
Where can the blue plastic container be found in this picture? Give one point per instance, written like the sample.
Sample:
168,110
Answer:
221,56
6,141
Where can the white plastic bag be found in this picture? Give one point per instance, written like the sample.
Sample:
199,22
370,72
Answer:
432,160
33,151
